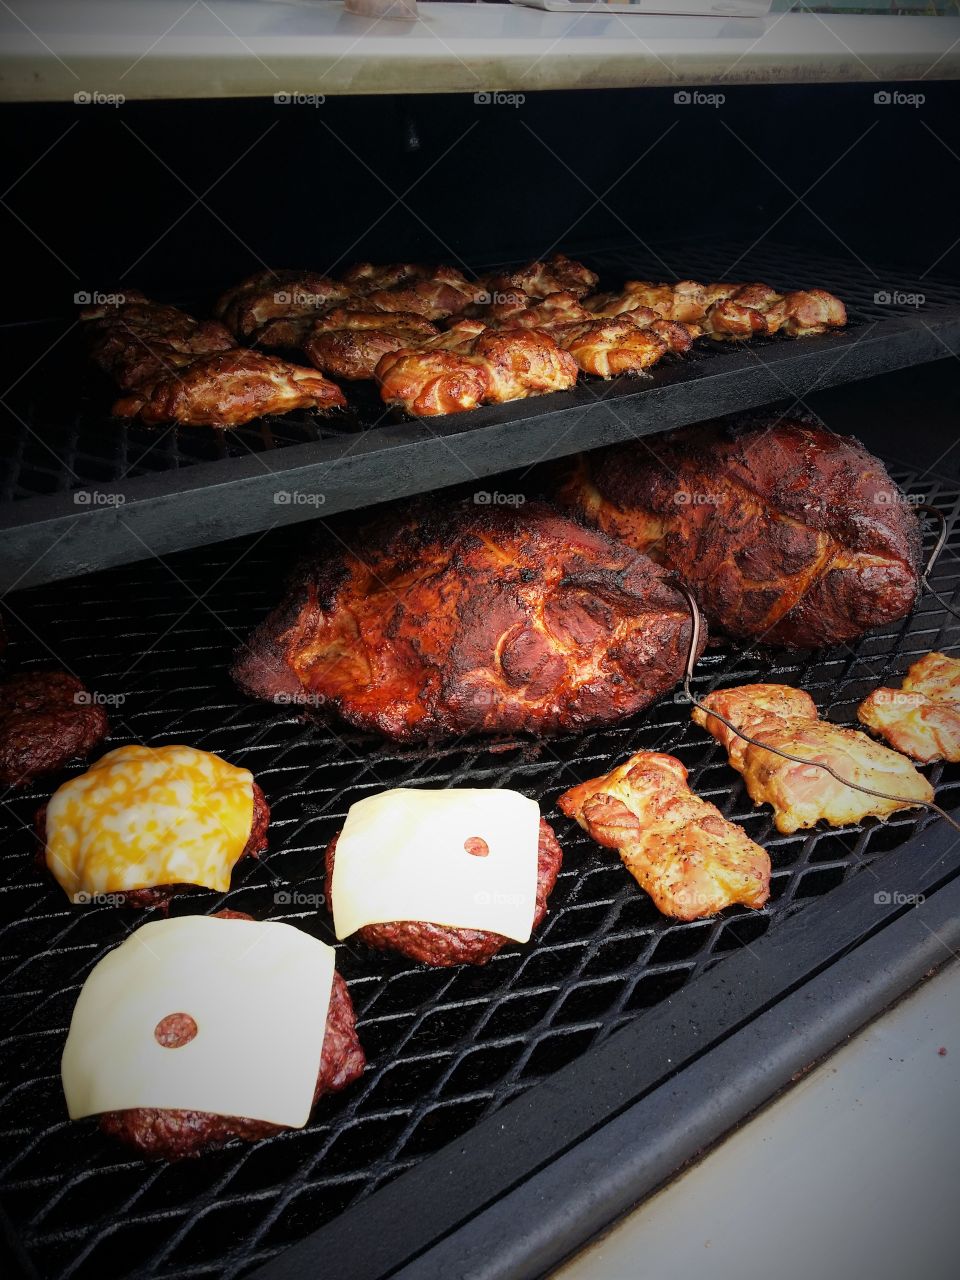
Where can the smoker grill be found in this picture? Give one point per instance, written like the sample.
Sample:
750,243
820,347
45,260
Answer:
511,1063
510,1111
58,470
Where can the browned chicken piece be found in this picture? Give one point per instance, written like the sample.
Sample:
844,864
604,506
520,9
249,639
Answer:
350,344
447,618
142,341
463,368
430,299
277,295
810,312
608,348
776,715
556,308
366,277
678,847
226,390
784,532
922,718
538,279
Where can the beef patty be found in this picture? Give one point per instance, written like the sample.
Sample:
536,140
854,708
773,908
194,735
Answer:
46,719
159,895
438,944
174,1135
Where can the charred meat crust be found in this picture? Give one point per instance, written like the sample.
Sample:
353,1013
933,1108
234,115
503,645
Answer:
160,895
43,724
473,619
438,945
175,1135
786,532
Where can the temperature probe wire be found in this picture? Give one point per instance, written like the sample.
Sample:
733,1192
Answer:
695,633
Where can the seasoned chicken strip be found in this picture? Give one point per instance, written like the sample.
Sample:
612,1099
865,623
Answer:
777,715
677,846
921,719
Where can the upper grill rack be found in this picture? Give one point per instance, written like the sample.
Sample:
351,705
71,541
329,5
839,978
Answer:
444,1046
67,467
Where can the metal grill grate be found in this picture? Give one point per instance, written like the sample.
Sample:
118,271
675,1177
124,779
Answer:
51,444
444,1046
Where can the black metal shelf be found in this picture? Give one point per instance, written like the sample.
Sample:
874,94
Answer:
80,491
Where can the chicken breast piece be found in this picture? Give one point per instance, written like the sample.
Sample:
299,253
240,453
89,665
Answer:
922,718
350,344
778,716
677,846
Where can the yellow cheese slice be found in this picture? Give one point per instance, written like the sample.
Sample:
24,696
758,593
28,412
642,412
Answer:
402,856
145,816
258,994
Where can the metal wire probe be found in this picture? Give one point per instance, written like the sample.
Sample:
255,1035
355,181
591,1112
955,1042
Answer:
695,634
931,510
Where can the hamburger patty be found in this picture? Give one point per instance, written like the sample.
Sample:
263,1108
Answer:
159,895
175,1135
46,719
438,944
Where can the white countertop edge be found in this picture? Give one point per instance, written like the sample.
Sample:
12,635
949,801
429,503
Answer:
245,48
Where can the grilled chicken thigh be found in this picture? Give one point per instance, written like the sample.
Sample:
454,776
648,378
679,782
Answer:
538,279
229,389
277,295
470,365
350,344
776,715
922,718
458,617
678,847
141,341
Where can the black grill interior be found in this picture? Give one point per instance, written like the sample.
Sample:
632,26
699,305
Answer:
52,443
444,1046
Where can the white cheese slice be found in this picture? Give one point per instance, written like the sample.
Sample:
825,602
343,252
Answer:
258,993
402,856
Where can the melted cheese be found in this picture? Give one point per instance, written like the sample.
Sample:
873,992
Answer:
402,856
145,816
258,993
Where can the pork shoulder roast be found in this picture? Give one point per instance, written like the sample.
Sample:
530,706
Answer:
471,618
785,532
